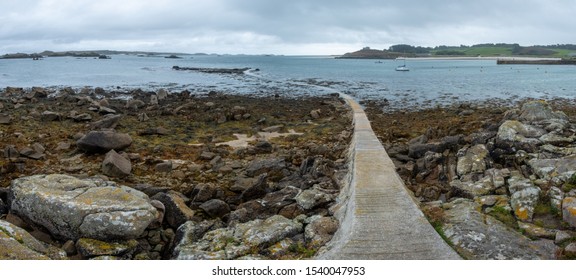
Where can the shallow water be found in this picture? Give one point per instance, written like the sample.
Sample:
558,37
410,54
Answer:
428,83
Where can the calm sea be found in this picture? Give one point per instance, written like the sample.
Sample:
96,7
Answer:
428,83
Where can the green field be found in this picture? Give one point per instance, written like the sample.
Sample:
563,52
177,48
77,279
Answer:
479,51
504,51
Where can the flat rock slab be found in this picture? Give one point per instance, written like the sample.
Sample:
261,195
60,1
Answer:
71,208
479,236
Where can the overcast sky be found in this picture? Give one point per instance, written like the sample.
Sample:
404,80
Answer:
278,26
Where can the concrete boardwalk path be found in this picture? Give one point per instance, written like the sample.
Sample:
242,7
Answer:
379,219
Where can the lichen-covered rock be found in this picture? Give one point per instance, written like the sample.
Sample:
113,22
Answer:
548,168
195,241
556,196
569,210
18,244
89,248
518,183
104,141
479,236
270,205
472,160
535,231
524,202
555,139
570,250
502,201
514,134
281,248
563,236
498,176
201,241
320,230
314,197
71,208
263,233
472,189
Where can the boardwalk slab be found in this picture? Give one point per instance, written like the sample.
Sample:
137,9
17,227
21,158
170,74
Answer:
379,218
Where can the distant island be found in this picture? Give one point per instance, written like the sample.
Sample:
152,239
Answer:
564,51
102,54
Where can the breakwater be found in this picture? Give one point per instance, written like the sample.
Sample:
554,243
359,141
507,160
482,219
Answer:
537,62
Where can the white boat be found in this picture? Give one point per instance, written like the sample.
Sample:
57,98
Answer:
403,67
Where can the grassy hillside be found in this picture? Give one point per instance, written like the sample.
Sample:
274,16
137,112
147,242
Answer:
563,51
474,51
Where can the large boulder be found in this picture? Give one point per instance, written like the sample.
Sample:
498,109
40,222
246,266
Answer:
479,236
104,141
72,208
18,244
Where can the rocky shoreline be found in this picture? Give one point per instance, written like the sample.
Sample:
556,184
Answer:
90,175
497,182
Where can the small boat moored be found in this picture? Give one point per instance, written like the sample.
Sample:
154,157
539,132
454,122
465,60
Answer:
403,67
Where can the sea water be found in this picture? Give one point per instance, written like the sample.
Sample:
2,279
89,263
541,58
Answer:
428,83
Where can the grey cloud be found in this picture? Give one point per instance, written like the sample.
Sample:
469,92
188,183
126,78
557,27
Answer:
278,25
